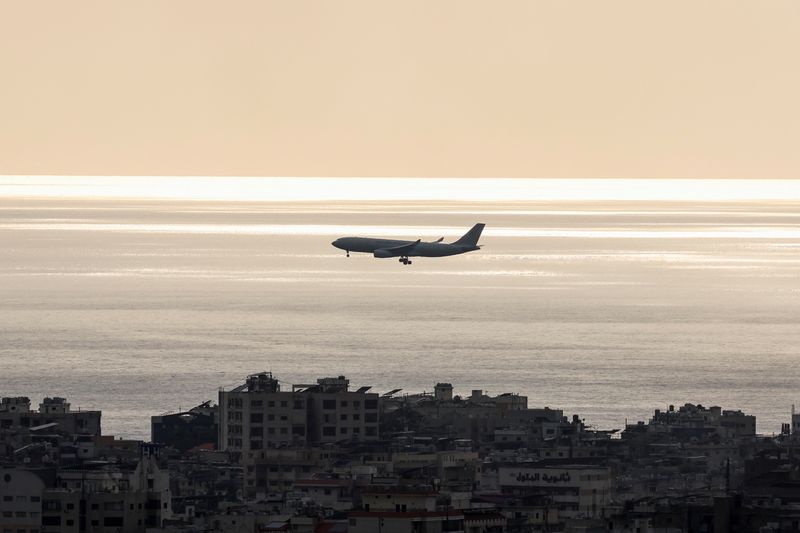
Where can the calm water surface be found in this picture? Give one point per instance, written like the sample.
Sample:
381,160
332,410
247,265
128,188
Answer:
609,310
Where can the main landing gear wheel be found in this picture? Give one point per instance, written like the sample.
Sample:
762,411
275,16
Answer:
405,260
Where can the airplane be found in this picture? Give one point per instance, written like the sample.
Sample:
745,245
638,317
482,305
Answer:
383,248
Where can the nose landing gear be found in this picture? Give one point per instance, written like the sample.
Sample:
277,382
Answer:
348,253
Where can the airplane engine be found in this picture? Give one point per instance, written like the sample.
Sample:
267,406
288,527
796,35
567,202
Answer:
382,254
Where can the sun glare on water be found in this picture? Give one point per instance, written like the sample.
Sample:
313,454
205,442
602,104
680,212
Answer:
363,189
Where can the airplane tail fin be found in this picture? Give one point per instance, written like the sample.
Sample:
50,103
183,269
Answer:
471,237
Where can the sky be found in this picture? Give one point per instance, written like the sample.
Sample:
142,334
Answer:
461,88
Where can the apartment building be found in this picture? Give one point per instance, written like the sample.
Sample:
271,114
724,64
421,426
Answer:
20,501
258,414
16,412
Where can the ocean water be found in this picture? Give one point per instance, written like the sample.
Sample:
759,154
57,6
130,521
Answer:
608,309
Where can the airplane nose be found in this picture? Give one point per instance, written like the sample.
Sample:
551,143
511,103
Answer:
336,243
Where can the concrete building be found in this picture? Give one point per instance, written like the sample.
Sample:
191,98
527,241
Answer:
275,470
20,501
259,415
577,491
104,499
408,522
443,392
338,414
694,420
187,429
16,413
455,471
328,493
408,509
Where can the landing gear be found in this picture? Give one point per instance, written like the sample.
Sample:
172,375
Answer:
405,260
348,253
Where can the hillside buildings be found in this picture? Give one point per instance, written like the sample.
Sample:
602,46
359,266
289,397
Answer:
321,458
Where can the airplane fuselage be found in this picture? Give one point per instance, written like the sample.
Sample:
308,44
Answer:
421,249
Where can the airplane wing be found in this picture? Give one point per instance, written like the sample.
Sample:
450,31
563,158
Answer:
403,249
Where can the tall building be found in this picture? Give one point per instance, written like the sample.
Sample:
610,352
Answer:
258,414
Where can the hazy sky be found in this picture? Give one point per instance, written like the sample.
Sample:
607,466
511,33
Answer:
412,88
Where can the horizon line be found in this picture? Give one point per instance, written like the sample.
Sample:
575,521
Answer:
363,188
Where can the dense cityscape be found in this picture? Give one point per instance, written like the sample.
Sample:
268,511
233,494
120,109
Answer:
325,457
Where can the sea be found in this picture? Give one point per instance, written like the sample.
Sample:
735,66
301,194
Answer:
603,298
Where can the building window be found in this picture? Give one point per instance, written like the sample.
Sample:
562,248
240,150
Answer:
371,417
329,404
343,431
371,404
344,403
256,403
329,431
298,404
256,418
343,417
